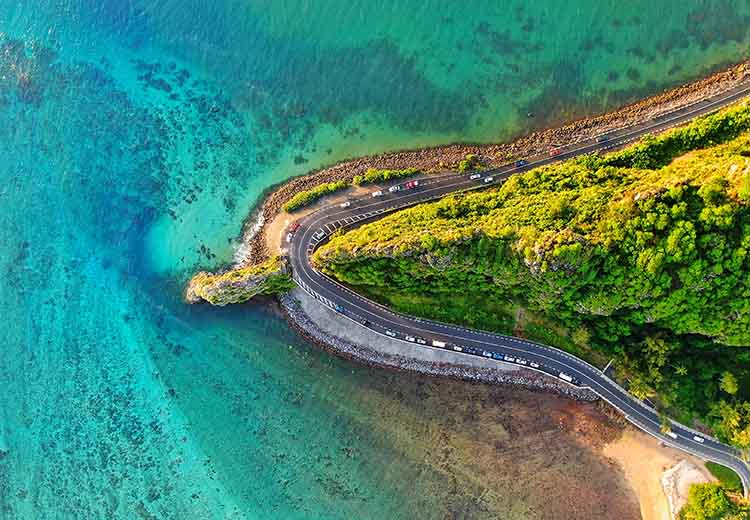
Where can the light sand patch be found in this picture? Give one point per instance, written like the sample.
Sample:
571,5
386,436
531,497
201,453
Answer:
275,232
644,461
677,480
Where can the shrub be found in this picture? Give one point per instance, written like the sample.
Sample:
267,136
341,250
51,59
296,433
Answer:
374,175
306,197
469,163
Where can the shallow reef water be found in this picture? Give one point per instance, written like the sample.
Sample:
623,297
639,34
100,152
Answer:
136,136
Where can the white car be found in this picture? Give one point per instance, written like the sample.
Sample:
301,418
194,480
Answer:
521,361
534,365
509,359
288,237
345,204
320,234
390,333
671,434
411,338
394,189
699,439
475,176
377,193
422,341
457,348
489,180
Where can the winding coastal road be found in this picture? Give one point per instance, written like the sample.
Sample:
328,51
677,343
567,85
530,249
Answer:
316,228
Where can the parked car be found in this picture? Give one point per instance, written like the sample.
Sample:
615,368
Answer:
521,162
602,139
699,439
390,333
377,193
289,237
475,176
534,365
488,180
394,189
345,204
554,152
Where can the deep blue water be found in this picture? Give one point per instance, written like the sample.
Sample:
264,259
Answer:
135,137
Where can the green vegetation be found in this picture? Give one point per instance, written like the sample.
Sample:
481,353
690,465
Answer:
641,255
710,502
240,285
729,480
469,163
374,175
306,197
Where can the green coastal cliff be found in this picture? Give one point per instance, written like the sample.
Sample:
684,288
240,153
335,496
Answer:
641,255
240,285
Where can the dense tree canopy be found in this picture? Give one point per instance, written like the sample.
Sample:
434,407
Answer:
642,254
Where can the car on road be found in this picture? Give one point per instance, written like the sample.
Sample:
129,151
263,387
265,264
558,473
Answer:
436,343
699,439
289,237
410,338
521,361
320,234
345,204
389,332
338,308
497,355
565,377
554,152
521,162
488,180
377,193
366,323
458,348
422,341
294,227
602,139
475,176
509,359
394,189
411,185
671,434
534,365
487,353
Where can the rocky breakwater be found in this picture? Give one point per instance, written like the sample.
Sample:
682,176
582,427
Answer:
240,285
464,370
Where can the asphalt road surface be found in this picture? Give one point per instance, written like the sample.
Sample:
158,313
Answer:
315,229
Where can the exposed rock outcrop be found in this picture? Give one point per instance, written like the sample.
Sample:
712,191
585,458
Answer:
240,285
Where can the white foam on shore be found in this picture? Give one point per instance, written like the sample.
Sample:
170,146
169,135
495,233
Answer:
242,253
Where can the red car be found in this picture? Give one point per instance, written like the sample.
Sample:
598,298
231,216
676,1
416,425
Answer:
554,152
294,227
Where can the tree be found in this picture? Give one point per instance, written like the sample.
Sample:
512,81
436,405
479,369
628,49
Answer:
732,421
729,383
707,502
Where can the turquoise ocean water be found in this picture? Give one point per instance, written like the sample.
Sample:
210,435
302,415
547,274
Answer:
135,137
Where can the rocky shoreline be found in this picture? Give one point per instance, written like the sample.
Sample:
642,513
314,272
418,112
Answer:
254,248
313,333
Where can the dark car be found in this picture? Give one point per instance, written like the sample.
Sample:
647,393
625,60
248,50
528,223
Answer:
602,139
521,162
366,323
